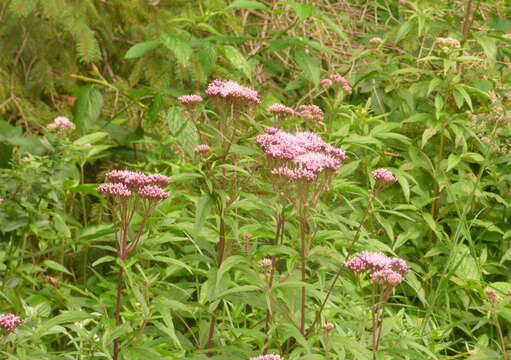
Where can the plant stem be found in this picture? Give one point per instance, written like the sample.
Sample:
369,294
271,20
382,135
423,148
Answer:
303,222
505,354
118,311
341,268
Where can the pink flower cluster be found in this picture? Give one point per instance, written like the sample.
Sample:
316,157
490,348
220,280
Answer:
376,40
231,90
326,82
265,263
136,180
190,99
61,123
202,148
448,42
306,150
384,176
328,326
339,79
492,296
267,357
312,112
281,109
153,192
385,270
117,189
9,322
126,182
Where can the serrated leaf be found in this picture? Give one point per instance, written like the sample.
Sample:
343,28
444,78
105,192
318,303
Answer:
237,60
309,65
228,263
180,48
247,4
50,264
87,108
91,138
141,49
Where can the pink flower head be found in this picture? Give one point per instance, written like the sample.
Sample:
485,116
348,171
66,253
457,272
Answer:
326,82
265,263
295,174
267,357
492,296
190,99
376,40
202,148
384,177
61,123
448,43
387,277
247,236
231,90
153,193
328,326
1,200
339,79
281,110
316,162
115,190
159,180
367,260
312,112
9,322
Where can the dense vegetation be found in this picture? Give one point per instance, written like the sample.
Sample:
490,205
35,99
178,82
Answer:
372,225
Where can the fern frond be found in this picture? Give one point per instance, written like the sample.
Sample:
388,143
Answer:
23,7
86,44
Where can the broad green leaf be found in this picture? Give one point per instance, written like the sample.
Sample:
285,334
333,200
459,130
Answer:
91,138
201,214
180,48
228,263
302,10
183,129
309,65
141,49
428,134
238,60
87,108
50,264
453,161
247,4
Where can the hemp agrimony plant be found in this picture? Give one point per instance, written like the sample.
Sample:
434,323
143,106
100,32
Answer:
128,193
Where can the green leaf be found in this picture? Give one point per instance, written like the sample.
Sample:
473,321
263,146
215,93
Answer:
182,129
230,262
452,161
201,214
473,157
303,11
50,264
428,134
309,65
238,60
87,108
91,138
439,105
465,95
141,49
180,48
155,109
68,317
247,4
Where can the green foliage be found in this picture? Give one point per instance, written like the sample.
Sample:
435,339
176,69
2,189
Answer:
436,116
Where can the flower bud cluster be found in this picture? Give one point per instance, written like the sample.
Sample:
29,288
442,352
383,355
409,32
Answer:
448,43
189,99
9,322
267,357
384,270
493,298
383,177
61,123
126,182
305,155
231,90
376,40
337,79
202,148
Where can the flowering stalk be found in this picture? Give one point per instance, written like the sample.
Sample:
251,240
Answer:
385,274
383,178
494,299
127,192
304,165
